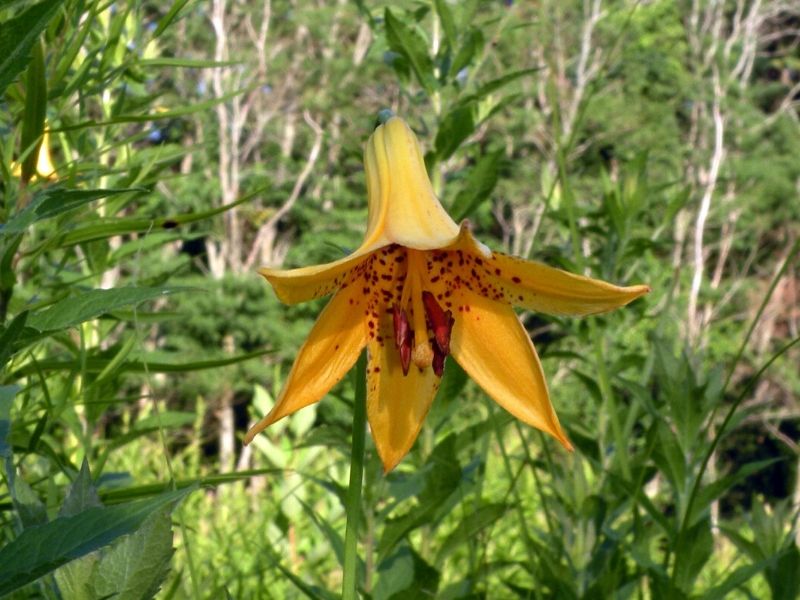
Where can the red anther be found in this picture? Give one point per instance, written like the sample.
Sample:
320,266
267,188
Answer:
403,336
438,360
441,322
405,353
401,328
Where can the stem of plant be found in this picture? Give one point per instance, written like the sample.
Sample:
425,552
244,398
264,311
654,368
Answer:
353,498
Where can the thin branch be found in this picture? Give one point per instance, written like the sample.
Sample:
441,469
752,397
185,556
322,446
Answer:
269,226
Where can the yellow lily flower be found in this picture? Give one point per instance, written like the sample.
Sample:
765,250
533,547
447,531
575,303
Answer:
418,289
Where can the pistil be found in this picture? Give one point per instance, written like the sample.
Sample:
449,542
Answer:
422,354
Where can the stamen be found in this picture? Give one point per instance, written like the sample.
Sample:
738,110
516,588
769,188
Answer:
438,360
405,354
402,336
400,321
441,322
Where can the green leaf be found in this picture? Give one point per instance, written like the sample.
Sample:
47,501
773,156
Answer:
397,528
171,15
8,252
326,529
167,420
471,526
30,509
441,478
456,127
479,184
7,393
143,365
715,489
73,579
496,84
448,24
114,496
694,549
35,112
784,577
406,575
143,427
453,382
55,201
39,550
311,592
737,578
408,43
81,495
188,109
105,228
9,336
472,45
189,63
88,305
136,566
17,37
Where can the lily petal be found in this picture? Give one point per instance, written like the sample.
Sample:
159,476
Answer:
402,209
402,206
329,352
396,404
306,283
537,287
492,346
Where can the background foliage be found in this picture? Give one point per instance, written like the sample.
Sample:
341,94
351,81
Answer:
152,157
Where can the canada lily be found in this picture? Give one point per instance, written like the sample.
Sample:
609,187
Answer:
420,288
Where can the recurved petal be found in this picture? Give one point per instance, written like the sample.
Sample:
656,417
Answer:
330,351
396,404
315,281
535,286
492,346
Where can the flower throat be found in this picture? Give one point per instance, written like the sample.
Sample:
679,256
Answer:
426,339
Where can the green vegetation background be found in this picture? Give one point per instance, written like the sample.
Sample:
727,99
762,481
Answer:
651,142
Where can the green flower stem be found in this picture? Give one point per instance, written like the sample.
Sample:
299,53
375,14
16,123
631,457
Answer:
353,498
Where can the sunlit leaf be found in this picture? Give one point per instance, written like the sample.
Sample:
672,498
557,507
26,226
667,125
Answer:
52,202
90,305
477,187
407,42
17,37
81,494
137,565
39,550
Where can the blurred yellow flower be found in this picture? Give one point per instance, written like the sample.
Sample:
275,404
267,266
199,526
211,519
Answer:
418,289
44,164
